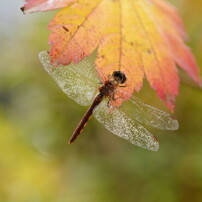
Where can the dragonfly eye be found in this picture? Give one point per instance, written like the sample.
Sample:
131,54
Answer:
119,76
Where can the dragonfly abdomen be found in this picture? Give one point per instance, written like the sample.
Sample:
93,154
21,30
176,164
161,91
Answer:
85,118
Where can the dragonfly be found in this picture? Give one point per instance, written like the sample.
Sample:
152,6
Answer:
81,83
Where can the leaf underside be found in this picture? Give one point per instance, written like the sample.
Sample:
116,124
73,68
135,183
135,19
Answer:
144,39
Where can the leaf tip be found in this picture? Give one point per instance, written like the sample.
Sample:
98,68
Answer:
23,9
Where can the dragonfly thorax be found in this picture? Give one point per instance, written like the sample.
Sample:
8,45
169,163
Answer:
112,83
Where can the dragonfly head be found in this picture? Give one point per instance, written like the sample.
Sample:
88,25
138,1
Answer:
119,76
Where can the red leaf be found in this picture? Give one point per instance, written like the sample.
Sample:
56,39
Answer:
172,29
44,5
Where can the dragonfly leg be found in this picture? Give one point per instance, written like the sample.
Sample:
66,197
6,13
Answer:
123,86
108,103
114,99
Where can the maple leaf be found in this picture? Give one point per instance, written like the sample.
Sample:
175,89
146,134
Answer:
142,38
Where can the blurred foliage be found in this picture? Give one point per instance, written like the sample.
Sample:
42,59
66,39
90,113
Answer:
36,120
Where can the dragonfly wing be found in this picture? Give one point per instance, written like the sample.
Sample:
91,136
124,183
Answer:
78,81
149,115
120,124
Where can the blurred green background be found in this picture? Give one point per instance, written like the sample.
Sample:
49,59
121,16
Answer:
37,119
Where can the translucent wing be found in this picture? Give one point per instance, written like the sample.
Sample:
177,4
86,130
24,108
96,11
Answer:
119,123
79,81
149,115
